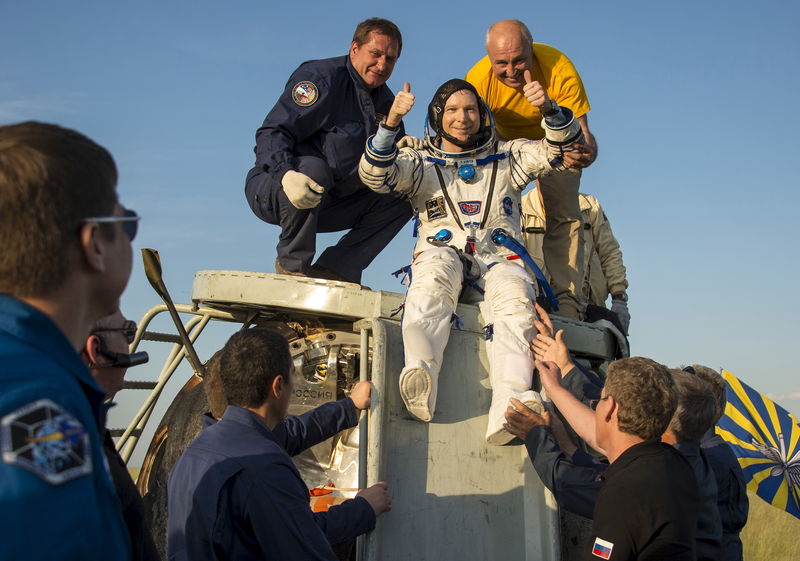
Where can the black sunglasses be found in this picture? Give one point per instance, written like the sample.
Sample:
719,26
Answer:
129,219
128,329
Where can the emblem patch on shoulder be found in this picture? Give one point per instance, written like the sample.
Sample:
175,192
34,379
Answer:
508,206
602,548
470,207
305,93
46,440
435,208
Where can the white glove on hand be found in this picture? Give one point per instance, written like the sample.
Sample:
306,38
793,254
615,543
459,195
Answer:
620,307
411,142
302,191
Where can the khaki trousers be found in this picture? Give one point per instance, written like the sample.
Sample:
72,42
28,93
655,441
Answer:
563,242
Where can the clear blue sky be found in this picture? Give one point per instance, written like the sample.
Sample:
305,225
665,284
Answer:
692,106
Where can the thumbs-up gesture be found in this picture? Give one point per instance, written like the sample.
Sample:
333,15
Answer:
403,102
533,91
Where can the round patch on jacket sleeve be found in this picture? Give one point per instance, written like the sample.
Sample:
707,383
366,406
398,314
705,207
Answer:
305,93
43,438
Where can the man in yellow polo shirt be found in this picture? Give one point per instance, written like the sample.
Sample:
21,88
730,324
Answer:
512,60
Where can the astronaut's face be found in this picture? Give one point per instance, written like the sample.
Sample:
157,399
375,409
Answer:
510,55
461,117
375,60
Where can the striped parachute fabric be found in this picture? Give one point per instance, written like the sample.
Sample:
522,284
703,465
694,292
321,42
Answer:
766,440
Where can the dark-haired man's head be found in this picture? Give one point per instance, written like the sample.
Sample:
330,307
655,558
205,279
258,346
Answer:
716,384
697,408
377,44
66,239
51,179
256,370
212,386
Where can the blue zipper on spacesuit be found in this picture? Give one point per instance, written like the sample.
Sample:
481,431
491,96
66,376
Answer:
501,237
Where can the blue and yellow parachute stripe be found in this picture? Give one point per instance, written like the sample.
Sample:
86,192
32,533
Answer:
766,440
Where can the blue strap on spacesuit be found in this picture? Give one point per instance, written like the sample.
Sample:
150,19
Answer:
501,237
405,271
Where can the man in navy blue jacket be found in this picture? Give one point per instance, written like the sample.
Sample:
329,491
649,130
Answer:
307,150
235,493
65,260
732,499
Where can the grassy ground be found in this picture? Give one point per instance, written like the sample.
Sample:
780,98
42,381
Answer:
770,534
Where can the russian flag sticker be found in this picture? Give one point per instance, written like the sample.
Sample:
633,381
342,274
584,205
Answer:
602,549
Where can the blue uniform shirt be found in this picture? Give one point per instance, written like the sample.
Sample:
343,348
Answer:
58,499
236,494
325,110
732,499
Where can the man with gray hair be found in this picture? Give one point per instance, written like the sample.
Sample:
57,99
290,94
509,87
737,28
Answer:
513,65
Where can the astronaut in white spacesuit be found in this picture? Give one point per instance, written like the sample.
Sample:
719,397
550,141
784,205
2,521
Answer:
465,186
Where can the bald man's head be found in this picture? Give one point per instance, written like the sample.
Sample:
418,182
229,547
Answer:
508,45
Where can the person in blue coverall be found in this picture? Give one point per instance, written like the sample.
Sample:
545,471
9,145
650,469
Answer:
732,499
235,493
66,259
307,150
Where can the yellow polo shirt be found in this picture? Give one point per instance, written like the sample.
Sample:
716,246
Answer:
514,116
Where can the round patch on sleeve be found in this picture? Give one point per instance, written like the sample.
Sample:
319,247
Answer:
305,93
43,438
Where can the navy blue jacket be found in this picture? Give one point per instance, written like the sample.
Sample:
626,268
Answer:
334,127
574,481
709,526
236,494
57,496
732,499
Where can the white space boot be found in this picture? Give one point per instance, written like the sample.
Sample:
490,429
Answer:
418,390
495,433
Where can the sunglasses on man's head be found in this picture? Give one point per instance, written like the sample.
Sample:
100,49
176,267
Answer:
129,219
128,329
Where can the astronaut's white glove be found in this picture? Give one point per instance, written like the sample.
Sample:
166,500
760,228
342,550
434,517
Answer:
302,191
411,142
620,307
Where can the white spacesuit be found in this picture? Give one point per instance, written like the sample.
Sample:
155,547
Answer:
461,199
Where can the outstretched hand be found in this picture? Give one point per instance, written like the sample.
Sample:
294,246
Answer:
520,419
549,375
533,91
549,349
378,497
361,394
403,102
